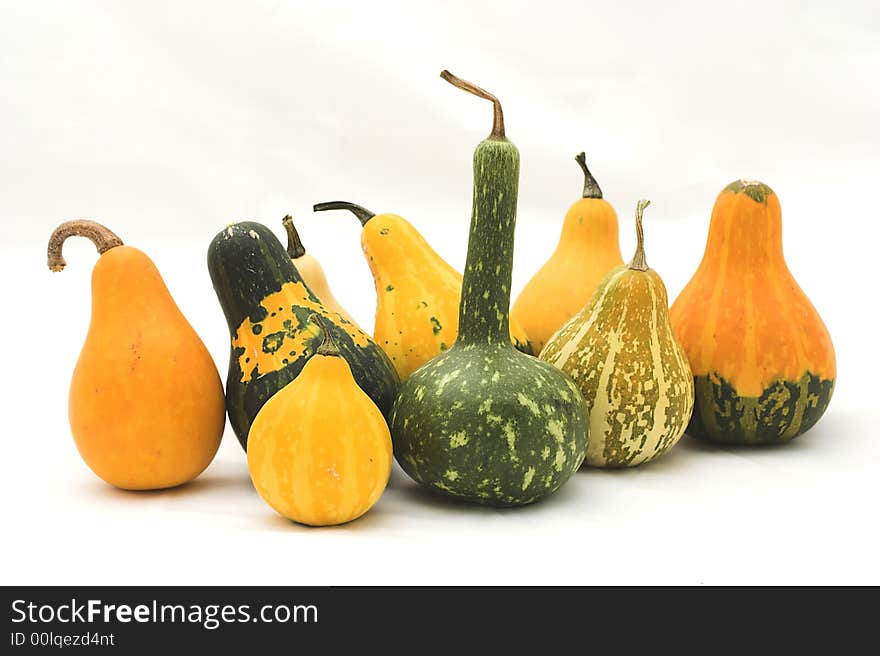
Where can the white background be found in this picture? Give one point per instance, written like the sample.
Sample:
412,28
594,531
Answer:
167,120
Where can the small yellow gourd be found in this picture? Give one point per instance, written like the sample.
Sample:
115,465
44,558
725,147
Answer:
311,270
319,451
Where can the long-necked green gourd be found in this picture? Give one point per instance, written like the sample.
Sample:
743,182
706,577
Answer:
417,291
763,361
483,422
588,249
267,307
633,373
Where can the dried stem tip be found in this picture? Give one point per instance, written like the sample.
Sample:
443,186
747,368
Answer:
498,117
361,213
638,262
102,237
591,187
295,248
328,345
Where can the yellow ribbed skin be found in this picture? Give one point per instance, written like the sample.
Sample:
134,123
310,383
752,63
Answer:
319,451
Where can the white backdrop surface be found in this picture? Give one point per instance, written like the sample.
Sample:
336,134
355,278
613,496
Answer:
168,120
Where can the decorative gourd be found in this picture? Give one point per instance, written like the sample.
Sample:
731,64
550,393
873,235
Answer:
588,249
146,401
762,359
267,306
311,271
319,451
417,292
483,422
623,356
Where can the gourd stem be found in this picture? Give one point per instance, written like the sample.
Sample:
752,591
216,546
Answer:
102,237
498,118
484,311
295,247
328,345
361,213
638,262
591,187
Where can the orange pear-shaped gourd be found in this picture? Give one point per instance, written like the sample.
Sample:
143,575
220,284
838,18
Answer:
146,401
762,359
588,249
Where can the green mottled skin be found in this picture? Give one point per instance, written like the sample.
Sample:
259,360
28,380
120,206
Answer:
483,422
784,410
757,191
244,271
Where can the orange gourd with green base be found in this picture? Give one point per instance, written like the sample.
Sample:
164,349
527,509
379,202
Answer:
762,359
146,402
588,249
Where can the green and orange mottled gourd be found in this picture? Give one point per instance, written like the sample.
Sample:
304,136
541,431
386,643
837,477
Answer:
417,291
588,249
623,356
763,362
267,307
483,422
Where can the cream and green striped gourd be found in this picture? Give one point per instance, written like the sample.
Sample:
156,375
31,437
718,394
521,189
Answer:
625,359
483,422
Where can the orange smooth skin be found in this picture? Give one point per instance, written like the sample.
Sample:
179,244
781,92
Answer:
588,249
319,451
743,315
146,402
417,294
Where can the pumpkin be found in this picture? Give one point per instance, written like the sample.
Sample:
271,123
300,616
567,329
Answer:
762,359
267,306
311,271
417,291
483,422
146,401
624,358
319,451
588,249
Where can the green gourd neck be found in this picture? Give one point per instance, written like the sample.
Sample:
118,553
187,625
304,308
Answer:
484,312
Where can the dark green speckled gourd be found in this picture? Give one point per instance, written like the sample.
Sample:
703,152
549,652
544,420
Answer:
483,422
267,306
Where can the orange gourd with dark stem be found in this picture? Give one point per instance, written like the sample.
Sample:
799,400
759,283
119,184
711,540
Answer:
588,249
762,359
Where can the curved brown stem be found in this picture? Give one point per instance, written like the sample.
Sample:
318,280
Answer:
638,262
328,345
361,213
102,237
591,187
295,247
498,118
